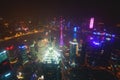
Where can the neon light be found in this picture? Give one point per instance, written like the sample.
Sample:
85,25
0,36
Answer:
75,29
107,34
7,48
91,38
98,33
96,43
10,48
108,39
8,74
94,33
22,47
91,23
3,52
74,43
113,35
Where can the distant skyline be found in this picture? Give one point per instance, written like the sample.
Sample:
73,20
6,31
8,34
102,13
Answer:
107,10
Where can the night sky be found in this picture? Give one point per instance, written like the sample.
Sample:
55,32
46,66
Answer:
108,10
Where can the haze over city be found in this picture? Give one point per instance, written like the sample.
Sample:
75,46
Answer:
59,40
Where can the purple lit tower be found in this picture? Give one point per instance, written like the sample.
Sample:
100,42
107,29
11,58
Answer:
91,23
61,32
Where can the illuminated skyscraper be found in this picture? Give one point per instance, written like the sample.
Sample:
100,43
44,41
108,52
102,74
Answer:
73,50
91,23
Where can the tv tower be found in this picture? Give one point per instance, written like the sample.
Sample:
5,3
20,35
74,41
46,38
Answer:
61,32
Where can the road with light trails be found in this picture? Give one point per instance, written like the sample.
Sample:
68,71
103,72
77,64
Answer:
23,34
